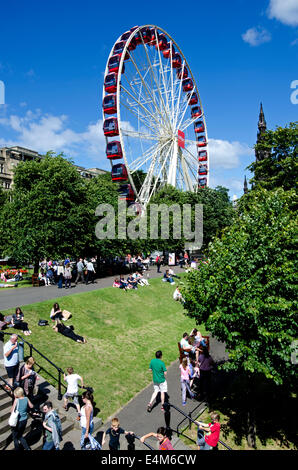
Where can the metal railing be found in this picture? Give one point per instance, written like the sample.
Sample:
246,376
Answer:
168,406
58,369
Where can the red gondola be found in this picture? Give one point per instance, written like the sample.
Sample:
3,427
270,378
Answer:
196,112
114,62
176,61
146,35
167,51
110,127
132,44
202,182
109,104
110,82
126,192
162,42
199,126
114,150
180,75
118,49
119,172
202,156
153,37
201,141
187,84
193,100
137,36
203,170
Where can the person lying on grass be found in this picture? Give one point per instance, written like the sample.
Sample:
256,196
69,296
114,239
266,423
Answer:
68,331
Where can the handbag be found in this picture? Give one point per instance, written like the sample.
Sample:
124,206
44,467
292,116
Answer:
14,417
43,323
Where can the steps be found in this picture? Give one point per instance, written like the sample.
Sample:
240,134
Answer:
33,434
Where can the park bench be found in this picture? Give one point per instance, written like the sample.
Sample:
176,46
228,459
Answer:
35,280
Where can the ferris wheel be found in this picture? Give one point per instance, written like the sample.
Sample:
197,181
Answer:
153,118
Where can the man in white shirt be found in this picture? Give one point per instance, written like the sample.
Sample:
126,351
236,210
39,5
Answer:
90,272
72,389
11,359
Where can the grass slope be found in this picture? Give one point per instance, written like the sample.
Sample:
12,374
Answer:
123,331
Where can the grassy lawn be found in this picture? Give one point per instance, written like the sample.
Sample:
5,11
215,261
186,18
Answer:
123,331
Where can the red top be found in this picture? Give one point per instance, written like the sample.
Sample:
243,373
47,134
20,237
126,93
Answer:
166,445
213,438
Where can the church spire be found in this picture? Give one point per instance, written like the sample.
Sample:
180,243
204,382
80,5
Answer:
245,188
262,126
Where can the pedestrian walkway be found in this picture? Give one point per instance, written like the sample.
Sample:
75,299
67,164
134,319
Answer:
134,416
12,298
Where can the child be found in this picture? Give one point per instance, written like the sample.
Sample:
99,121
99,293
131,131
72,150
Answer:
210,439
185,381
114,432
164,441
72,389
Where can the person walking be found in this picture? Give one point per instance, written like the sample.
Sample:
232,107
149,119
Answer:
159,372
21,404
80,270
60,272
52,426
67,276
206,364
185,380
90,272
72,389
87,425
158,263
11,359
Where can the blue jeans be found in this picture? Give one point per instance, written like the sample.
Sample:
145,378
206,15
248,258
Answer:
48,446
185,386
201,441
84,432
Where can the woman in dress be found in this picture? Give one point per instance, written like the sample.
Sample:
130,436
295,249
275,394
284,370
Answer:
27,377
21,403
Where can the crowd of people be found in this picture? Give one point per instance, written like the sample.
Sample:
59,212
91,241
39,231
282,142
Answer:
194,369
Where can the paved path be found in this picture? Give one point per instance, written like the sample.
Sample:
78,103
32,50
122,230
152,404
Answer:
134,416
11,298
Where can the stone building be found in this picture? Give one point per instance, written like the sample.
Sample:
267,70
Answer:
11,156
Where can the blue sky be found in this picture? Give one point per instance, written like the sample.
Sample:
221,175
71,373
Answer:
53,57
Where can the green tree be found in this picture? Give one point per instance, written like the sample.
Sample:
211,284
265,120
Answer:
46,213
280,167
245,295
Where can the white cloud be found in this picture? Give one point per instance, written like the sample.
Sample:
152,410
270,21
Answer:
285,11
226,155
43,132
256,36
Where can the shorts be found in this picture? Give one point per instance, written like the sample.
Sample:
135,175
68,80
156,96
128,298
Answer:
74,396
160,387
12,371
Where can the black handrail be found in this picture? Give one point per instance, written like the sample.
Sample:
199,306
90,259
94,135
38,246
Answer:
145,443
31,347
189,416
192,420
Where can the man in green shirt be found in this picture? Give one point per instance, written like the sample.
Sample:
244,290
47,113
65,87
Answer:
159,372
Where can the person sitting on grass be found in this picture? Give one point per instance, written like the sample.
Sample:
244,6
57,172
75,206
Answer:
114,432
164,441
140,279
116,283
18,322
132,283
123,283
168,278
56,313
68,331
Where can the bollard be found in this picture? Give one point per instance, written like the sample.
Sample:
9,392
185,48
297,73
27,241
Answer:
21,351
